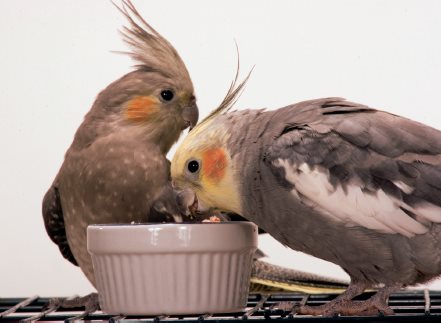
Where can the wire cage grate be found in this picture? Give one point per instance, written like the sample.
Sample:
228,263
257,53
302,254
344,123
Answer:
409,306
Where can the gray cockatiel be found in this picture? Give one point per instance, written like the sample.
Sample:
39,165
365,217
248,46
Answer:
115,170
335,179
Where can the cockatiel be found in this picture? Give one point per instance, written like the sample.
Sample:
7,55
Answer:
116,169
337,180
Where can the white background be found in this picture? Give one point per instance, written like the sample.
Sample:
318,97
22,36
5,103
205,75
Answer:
55,56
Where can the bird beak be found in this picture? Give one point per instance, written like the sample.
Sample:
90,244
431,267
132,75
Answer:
190,114
187,201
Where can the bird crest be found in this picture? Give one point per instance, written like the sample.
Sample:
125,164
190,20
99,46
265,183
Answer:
217,133
235,90
149,49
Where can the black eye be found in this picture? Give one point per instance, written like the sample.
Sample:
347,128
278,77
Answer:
167,95
193,166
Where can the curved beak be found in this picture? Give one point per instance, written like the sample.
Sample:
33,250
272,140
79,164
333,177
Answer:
190,206
187,201
190,114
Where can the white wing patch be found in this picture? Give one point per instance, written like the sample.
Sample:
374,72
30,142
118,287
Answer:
379,211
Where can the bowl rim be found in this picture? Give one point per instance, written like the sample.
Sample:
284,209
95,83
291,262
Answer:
171,224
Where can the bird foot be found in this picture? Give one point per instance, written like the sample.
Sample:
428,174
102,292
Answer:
90,302
372,306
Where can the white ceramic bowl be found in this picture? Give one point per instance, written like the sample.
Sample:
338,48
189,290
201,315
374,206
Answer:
173,268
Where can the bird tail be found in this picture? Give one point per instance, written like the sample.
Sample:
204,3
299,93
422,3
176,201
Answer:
268,278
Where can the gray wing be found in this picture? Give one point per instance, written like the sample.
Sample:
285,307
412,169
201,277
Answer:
359,165
54,222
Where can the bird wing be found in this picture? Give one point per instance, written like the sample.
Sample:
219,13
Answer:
54,222
359,166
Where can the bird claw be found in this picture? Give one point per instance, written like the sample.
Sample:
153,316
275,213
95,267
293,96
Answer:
285,306
369,307
90,302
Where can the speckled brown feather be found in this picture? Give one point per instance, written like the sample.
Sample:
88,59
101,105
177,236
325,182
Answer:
115,170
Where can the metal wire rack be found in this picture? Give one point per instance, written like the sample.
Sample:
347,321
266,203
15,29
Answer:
409,306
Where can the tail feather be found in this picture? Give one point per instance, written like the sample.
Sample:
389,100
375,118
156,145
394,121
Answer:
267,278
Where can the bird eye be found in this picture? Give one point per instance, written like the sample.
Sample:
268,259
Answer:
167,95
193,166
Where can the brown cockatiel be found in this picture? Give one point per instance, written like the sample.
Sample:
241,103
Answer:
116,169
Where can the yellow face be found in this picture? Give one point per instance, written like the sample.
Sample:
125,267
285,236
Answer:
203,164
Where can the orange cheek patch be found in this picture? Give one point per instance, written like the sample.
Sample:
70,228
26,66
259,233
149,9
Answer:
214,163
142,108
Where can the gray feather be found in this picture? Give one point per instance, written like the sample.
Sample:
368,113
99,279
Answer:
358,146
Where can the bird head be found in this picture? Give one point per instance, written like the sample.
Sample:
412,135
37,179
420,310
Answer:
203,163
155,100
